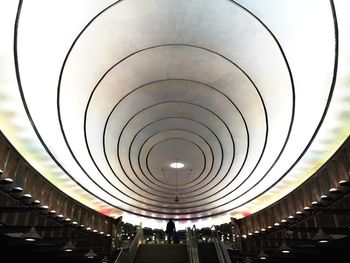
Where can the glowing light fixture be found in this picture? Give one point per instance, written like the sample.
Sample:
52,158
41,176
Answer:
262,255
321,237
17,190
324,197
177,165
31,235
36,202
60,216
6,181
69,246
344,183
335,193
91,254
284,248
26,199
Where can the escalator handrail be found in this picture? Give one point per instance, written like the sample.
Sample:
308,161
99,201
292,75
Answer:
192,247
222,253
131,251
119,256
135,243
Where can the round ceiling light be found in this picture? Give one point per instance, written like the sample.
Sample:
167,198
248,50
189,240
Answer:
177,165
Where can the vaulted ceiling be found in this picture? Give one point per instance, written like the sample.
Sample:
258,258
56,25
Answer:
102,96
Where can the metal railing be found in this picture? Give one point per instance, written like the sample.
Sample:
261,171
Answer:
120,255
221,251
192,248
127,255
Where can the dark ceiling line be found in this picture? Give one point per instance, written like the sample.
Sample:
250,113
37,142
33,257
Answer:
181,138
266,27
107,202
171,138
159,190
201,187
293,89
179,193
328,101
185,119
292,117
104,143
149,107
84,171
212,112
199,82
336,32
18,77
88,191
198,176
293,108
200,123
226,98
61,72
92,93
162,103
335,68
84,118
334,79
144,109
37,132
221,179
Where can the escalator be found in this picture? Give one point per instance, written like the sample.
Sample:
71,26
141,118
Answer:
194,250
207,252
161,253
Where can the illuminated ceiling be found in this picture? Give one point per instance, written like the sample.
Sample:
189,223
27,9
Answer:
102,96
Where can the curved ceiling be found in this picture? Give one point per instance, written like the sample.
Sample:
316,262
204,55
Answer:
102,96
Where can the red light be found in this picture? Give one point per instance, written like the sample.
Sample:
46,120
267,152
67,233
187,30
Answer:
106,211
246,213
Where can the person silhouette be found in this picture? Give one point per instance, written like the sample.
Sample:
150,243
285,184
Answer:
170,228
